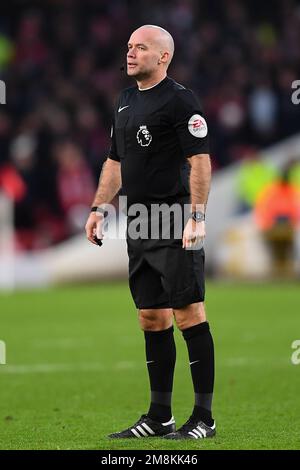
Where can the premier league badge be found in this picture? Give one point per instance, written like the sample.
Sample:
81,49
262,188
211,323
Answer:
143,136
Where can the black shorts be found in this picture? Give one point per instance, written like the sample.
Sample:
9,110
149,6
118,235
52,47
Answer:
162,274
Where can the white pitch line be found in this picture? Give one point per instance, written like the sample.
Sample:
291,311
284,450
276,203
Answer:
125,365
73,367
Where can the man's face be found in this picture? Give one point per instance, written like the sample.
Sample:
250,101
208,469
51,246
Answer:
143,55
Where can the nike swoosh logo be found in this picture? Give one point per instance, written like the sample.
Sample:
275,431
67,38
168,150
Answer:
194,362
148,362
123,107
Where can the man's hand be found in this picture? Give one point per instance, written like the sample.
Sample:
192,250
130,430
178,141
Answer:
193,234
93,227
108,186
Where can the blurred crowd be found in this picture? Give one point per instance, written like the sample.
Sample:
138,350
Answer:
61,60
273,194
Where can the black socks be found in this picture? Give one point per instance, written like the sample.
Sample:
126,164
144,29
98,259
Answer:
201,353
161,358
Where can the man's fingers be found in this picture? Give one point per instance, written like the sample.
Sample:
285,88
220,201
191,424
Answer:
90,234
92,240
190,240
90,237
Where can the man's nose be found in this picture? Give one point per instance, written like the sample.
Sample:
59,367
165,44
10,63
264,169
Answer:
131,53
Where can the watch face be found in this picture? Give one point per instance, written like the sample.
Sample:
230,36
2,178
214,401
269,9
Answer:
198,216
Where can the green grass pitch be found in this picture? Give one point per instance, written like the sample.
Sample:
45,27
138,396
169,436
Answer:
76,369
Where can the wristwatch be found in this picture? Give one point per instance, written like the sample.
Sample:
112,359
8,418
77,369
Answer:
99,210
197,216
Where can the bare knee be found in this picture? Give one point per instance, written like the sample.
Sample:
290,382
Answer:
190,315
155,319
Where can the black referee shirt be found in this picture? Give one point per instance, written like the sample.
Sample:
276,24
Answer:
154,131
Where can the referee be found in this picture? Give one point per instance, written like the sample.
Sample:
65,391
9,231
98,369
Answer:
159,155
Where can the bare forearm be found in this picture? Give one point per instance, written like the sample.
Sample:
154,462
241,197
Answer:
200,178
109,182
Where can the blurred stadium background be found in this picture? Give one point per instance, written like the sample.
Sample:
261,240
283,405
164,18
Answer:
60,61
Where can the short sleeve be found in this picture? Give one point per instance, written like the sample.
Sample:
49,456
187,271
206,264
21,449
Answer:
190,124
113,154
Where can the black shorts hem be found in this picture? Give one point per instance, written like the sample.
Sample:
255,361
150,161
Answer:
181,303
146,305
176,304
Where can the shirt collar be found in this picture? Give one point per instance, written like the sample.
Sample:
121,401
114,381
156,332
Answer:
153,86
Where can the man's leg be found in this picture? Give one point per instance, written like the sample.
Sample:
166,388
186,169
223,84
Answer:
191,320
157,325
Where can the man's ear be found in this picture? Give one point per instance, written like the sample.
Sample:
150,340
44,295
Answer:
164,57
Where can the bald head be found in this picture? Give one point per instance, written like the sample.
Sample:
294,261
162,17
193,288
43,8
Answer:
150,51
160,37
